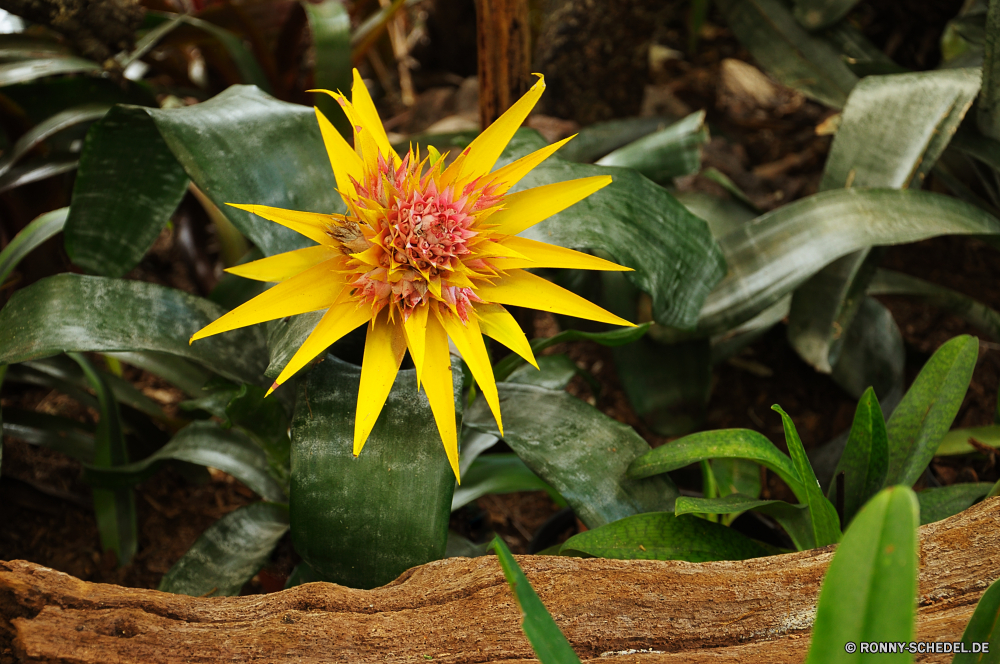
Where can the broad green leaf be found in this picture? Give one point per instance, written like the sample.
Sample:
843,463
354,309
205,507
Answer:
926,412
938,503
114,508
544,635
870,589
579,451
889,282
816,14
663,536
22,71
638,224
61,434
892,132
988,116
185,376
789,53
983,627
616,337
363,521
47,128
47,97
736,476
330,25
266,422
462,547
664,154
285,337
778,251
473,444
127,186
204,444
229,553
596,140
873,354
554,372
29,238
723,215
498,473
956,441
72,312
865,459
822,514
719,444
793,518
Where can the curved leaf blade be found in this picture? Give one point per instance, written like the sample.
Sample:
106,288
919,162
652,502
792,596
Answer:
665,154
865,460
938,503
793,518
41,228
497,473
983,627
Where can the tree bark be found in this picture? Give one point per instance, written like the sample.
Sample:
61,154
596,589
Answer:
503,38
461,610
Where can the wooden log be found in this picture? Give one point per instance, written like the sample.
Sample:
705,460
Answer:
461,610
503,52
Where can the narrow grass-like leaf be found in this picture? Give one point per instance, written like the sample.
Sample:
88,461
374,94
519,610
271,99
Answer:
37,169
822,513
362,521
926,412
499,473
725,444
330,25
793,518
79,313
22,71
938,503
49,127
582,453
865,459
29,238
663,536
870,589
664,154
204,444
57,433
114,508
616,337
544,635
983,627
229,553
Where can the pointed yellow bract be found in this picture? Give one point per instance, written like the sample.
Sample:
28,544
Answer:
421,256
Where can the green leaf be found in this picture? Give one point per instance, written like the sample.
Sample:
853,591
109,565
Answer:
266,422
892,132
870,589
61,434
544,635
983,627
72,312
363,521
873,354
23,71
185,376
789,53
204,444
638,224
331,32
866,458
926,412
229,553
719,444
35,170
461,547
793,518
663,536
988,116
889,282
47,128
938,503
822,514
956,441
29,238
596,140
664,154
737,476
554,372
723,215
816,14
579,451
115,508
778,251
498,473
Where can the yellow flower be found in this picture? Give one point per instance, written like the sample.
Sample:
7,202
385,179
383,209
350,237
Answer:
424,253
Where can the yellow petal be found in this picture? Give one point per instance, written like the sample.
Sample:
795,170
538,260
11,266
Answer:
523,289
316,288
440,390
286,265
416,337
512,173
336,322
526,208
364,140
469,342
311,224
541,254
500,248
384,348
481,155
345,161
365,109
497,323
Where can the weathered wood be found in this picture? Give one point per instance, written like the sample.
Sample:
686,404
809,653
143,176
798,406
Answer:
461,610
503,44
